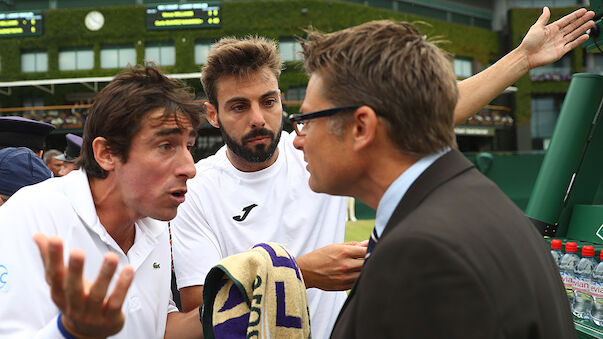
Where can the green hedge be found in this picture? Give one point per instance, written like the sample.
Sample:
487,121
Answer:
64,28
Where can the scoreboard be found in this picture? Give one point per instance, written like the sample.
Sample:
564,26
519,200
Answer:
20,24
179,16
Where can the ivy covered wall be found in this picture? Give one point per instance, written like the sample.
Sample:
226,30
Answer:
64,28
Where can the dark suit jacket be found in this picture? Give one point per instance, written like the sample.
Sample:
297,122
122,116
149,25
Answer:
457,259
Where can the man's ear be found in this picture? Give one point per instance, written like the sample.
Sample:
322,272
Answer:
364,127
211,112
103,157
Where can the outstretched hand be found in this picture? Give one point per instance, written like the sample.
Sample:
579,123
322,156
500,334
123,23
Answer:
544,43
334,267
87,310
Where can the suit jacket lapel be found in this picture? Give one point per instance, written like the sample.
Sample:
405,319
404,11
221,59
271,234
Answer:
443,169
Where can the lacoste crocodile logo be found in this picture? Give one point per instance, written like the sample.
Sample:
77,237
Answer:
246,211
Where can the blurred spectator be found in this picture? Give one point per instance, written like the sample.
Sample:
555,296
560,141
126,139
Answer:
52,161
68,118
72,152
19,167
59,120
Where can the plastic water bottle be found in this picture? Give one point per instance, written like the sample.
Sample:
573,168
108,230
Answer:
568,263
596,292
556,247
582,278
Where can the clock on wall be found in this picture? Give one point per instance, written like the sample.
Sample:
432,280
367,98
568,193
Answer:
94,20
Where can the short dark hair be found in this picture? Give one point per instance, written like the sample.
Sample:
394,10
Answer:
118,111
238,57
391,67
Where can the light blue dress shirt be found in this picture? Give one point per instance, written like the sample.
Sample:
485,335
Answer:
396,191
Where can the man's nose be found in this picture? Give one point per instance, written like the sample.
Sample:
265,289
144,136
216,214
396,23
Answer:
257,117
186,167
298,142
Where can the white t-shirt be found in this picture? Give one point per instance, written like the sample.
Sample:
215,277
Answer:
64,207
227,211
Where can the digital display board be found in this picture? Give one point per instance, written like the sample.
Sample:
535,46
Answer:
179,16
20,24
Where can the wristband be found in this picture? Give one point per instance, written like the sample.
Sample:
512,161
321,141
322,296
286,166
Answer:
62,328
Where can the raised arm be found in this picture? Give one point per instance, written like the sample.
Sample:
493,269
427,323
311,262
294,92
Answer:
542,45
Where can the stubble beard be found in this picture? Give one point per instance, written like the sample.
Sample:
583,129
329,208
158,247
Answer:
261,153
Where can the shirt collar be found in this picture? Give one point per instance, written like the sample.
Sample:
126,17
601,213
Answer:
396,191
76,187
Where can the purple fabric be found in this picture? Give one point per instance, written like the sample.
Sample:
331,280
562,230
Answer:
232,328
280,261
282,319
234,298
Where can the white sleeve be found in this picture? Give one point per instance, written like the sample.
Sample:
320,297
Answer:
172,305
26,309
51,330
194,244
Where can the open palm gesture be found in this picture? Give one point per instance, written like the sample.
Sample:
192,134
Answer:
544,43
88,310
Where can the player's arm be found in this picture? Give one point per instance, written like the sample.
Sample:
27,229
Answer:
542,45
334,267
182,325
191,297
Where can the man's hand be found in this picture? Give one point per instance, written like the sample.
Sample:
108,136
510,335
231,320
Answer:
333,268
544,43
87,312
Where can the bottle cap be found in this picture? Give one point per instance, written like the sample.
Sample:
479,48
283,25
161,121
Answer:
571,247
556,244
588,251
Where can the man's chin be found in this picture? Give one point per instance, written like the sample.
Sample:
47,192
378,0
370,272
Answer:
314,186
324,187
257,154
166,215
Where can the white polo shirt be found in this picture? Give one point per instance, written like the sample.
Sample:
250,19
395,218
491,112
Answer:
64,207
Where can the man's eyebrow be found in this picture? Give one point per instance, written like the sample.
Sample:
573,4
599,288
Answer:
267,94
235,99
271,93
169,131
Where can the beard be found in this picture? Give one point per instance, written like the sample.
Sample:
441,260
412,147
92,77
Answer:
259,153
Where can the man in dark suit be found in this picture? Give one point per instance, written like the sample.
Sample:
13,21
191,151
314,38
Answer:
451,256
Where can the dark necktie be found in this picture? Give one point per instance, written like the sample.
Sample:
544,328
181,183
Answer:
372,242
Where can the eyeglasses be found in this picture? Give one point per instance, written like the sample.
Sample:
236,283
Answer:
298,120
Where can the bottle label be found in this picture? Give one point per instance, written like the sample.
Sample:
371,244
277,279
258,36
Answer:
568,279
596,289
581,284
